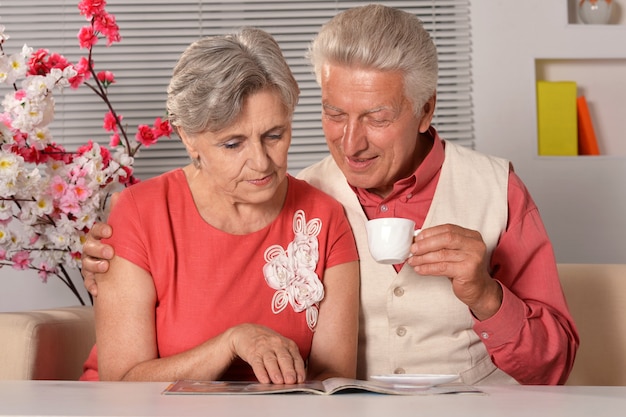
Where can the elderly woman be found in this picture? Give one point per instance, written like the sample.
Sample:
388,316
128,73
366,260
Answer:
228,268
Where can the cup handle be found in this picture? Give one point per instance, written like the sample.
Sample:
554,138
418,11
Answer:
416,232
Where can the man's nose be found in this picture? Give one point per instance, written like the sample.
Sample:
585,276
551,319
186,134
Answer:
354,137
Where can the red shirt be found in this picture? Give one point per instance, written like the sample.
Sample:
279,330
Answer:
532,337
208,280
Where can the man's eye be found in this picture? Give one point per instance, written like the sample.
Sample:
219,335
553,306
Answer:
334,117
379,122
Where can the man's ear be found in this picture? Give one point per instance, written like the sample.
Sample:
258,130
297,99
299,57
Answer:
428,110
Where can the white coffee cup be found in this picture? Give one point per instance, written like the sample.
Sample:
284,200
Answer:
390,239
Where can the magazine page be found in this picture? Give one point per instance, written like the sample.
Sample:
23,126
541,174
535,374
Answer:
240,387
327,387
336,385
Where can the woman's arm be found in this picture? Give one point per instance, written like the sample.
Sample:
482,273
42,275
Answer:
127,347
334,348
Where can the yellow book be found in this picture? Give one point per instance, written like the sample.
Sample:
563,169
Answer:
557,123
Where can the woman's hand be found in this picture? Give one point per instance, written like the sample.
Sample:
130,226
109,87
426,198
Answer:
273,358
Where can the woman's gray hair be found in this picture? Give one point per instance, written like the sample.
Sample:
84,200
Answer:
214,76
382,38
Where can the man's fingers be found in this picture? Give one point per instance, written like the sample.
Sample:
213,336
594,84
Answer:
100,231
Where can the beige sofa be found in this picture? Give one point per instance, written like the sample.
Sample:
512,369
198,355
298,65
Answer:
596,295
53,344
45,344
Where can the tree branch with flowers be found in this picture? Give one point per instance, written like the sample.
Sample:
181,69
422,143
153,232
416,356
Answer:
50,197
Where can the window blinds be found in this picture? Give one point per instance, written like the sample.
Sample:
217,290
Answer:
155,32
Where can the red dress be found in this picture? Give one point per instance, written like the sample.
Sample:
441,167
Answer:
208,281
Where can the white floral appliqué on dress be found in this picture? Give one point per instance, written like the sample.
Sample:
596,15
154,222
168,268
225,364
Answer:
291,272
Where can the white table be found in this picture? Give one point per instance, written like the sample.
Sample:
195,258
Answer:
71,398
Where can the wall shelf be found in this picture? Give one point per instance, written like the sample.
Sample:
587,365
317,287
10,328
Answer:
603,82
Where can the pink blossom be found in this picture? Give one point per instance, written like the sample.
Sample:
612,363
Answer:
106,78
89,8
85,148
58,186
87,37
20,260
145,135
69,203
41,62
20,95
44,271
128,179
110,124
56,60
115,140
77,173
37,64
162,128
82,72
106,156
105,24
83,69
81,191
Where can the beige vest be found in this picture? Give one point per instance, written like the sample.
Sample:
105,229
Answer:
415,324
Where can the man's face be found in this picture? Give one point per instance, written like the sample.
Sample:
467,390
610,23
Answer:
370,126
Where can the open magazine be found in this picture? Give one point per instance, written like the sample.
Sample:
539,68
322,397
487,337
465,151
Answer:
327,387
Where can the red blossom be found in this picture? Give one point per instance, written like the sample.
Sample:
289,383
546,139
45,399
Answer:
56,60
162,128
145,135
106,78
89,8
85,148
42,61
87,37
105,24
82,72
106,156
37,64
58,153
110,124
114,140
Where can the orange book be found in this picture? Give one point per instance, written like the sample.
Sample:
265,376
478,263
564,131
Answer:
587,142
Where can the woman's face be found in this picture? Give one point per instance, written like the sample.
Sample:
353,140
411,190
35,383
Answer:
247,161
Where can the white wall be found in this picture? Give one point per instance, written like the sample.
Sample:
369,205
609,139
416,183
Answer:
23,290
582,199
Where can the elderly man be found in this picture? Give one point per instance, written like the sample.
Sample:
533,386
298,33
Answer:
480,295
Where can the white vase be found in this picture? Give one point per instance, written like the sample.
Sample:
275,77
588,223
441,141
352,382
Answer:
595,11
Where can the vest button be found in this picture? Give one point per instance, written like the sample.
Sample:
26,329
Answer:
398,291
399,371
401,331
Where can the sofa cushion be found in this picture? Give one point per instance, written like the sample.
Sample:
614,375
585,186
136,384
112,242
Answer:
46,344
596,296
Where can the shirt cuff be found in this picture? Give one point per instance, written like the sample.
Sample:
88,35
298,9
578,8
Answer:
506,324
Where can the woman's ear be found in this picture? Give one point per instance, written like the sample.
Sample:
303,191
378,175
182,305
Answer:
428,110
187,141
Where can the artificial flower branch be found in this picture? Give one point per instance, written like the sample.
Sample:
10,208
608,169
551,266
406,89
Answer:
49,197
